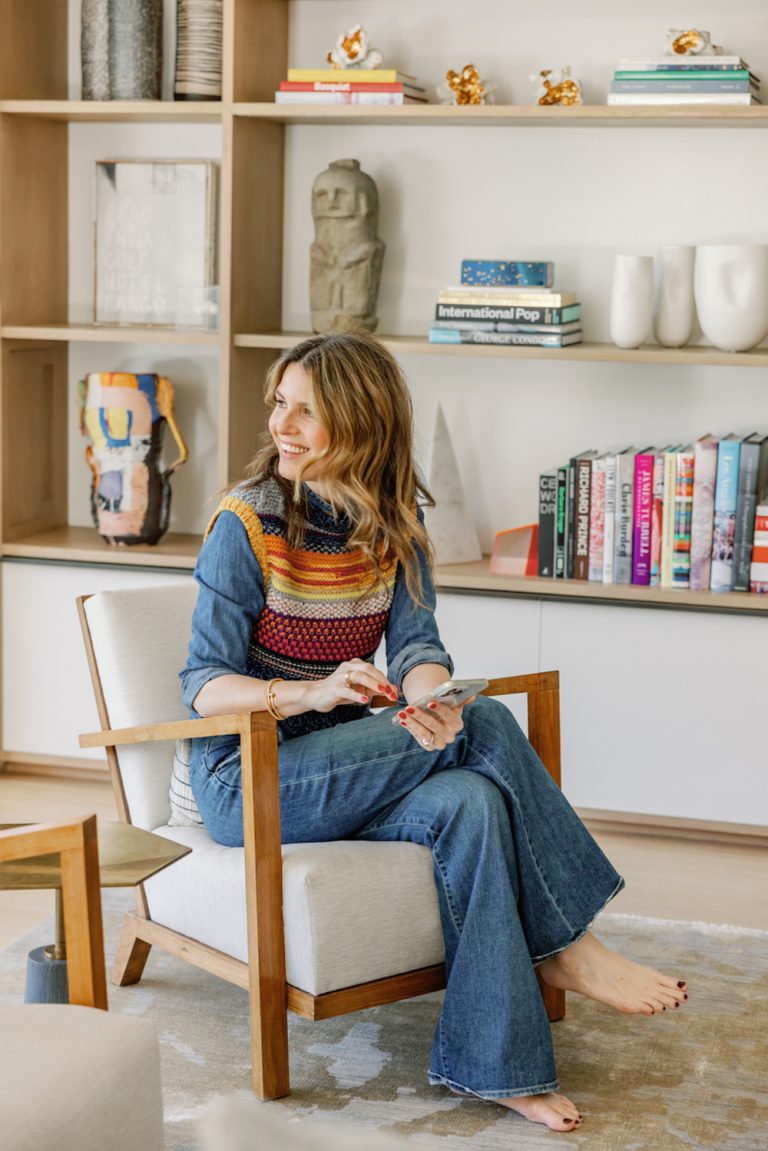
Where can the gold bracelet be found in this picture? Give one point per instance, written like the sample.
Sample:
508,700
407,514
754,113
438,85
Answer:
270,699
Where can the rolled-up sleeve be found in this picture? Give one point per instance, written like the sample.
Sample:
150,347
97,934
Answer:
230,599
412,636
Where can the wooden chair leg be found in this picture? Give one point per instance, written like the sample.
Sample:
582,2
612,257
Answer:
131,956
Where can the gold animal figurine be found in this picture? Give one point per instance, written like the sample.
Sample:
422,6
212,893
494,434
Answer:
466,85
691,42
353,51
558,87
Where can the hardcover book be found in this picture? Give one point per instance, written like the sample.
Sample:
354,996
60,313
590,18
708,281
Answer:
657,510
512,314
352,75
625,486
354,97
677,86
681,545
609,525
682,98
547,522
704,469
531,339
752,448
496,273
583,495
506,297
547,329
642,503
672,63
724,522
561,523
570,548
596,521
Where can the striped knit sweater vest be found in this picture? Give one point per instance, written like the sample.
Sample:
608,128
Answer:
323,601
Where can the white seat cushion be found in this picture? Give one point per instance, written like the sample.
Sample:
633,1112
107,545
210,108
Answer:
78,1079
353,911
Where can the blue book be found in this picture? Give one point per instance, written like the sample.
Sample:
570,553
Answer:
723,529
503,273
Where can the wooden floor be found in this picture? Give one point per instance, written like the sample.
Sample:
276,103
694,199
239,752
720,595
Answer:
666,877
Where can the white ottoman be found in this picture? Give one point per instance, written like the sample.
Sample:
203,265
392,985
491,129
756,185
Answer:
78,1079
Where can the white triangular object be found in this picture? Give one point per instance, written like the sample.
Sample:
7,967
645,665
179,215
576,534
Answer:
449,523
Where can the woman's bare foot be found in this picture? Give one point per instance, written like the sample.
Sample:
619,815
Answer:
551,1109
592,969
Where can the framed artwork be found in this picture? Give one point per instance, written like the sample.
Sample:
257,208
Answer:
154,230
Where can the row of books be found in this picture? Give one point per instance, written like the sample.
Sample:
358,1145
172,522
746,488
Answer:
685,516
349,86
684,80
506,302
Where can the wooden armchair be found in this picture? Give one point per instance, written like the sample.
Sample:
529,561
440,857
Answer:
77,844
244,913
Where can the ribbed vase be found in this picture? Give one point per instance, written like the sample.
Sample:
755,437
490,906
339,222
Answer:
136,49
198,50
94,49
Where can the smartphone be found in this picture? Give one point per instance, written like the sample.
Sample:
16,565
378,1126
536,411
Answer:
454,692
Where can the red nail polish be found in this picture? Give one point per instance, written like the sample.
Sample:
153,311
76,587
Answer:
432,705
401,714
410,710
380,687
364,698
402,724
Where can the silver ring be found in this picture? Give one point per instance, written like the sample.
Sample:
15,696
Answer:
428,742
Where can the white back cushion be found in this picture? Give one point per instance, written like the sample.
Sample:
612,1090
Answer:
140,639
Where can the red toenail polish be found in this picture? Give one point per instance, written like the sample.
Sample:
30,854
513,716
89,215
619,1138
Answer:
685,996
663,1007
681,983
432,705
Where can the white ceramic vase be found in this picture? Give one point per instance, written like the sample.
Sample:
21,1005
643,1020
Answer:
674,309
731,289
631,300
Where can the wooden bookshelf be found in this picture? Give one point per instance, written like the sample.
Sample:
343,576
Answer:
512,115
115,111
477,578
103,334
70,544
698,355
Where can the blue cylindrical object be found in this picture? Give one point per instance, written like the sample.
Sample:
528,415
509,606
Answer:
46,979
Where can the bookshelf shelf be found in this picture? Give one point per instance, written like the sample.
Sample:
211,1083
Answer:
69,544
98,334
512,115
648,354
476,577
115,111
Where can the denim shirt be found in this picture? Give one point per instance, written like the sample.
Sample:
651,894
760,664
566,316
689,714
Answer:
231,596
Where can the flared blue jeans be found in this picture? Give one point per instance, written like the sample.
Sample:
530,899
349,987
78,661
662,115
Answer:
519,878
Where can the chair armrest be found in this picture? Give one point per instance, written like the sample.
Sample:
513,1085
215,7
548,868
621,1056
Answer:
523,684
236,724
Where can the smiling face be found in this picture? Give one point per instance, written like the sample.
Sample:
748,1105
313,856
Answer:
301,439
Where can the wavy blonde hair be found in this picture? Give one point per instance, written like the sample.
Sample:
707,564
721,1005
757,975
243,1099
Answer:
361,399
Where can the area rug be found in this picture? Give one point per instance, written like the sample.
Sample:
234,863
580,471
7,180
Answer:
695,1079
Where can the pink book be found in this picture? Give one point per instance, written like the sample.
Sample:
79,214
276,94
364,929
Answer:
641,516
597,521
657,509
704,469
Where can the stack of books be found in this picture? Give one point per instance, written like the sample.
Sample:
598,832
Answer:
684,80
506,302
684,516
349,86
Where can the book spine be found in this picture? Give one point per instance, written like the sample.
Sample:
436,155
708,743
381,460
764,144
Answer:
668,518
596,523
545,329
671,75
657,511
670,64
724,522
353,75
519,314
507,297
622,567
530,339
677,86
465,325
581,535
337,86
641,519
744,526
681,548
389,98
547,516
704,469
629,98
609,528
570,541
561,524
496,273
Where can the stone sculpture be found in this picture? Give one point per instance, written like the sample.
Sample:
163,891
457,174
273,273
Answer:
346,254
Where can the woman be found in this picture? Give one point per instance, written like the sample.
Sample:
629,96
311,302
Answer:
307,565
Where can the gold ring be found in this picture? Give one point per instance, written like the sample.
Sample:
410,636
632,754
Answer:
348,679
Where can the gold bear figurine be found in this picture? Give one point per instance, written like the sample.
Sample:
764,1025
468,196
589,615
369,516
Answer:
560,89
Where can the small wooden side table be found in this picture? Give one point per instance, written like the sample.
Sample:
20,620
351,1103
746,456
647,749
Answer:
127,856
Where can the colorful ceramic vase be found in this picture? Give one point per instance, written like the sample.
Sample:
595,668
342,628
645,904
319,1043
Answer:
124,416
